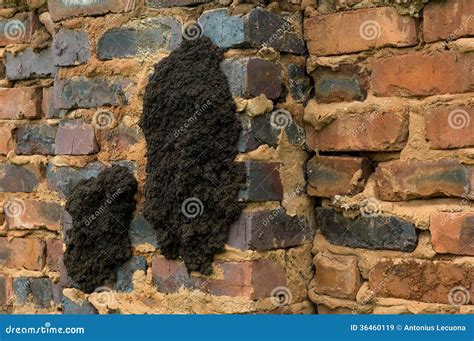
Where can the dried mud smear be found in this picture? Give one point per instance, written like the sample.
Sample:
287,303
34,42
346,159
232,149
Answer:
101,209
191,130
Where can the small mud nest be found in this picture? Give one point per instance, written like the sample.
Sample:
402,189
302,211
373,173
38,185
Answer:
191,128
101,209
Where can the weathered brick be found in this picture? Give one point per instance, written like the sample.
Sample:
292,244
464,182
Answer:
272,30
83,92
120,139
48,106
174,3
139,38
223,29
141,232
15,178
125,273
348,83
268,230
42,291
453,232
30,64
5,140
422,281
33,214
77,307
251,77
21,289
263,182
298,83
337,276
35,139
64,179
18,103
421,74
74,137
331,175
6,290
404,180
18,29
359,30
372,131
70,48
170,275
19,253
62,9
448,20
450,127
54,253
375,232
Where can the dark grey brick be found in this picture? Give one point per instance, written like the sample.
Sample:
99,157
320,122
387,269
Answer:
29,64
71,48
14,178
42,291
298,83
35,139
81,307
369,232
263,182
21,289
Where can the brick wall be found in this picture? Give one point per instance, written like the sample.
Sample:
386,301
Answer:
356,135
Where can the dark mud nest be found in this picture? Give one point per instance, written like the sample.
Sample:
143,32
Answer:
191,129
101,209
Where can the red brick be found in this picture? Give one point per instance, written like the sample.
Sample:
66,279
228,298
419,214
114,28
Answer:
386,131
337,276
54,254
22,253
31,214
14,178
453,232
17,103
448,20
422,281
6,289
358,30
450,127
18,29
331,175
404,180
423,74
5,140
61,9
76,138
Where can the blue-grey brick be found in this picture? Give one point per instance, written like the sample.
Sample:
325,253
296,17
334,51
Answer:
141,232
235,69
369,232
298,83
71,48
84,92
29,64
263,182
223,29
80,308
174,3
21,289
35,139
125,273
42,291
139,38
